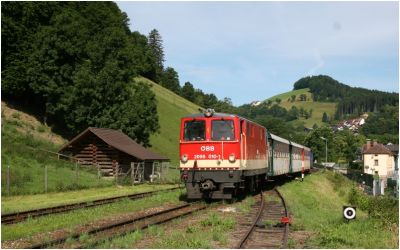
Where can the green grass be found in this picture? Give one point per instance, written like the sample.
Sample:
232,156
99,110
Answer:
316,205
204,234
28,202
171,108
27,163
287,95
318,107
69,221
211,230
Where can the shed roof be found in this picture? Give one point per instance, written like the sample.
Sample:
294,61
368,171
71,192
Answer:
378,149
119,141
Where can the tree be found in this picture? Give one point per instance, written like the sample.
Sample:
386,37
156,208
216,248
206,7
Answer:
188,92
157,49
275,125
384,122
170,80
325,117
310,112
293,98
145,62
278,100
303,97
350,100
137,115
306,114
79,59
294,113
317,145
346,145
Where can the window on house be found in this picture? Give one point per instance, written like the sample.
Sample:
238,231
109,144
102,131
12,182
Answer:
376,163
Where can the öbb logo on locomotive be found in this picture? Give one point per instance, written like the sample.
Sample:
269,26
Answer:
224,154
207,148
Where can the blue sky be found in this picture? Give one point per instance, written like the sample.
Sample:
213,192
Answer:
253,50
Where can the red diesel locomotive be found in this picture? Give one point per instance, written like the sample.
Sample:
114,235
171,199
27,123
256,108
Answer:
221,154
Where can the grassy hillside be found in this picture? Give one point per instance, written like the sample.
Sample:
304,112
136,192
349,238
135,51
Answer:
23,139
171,108
316,208
318,107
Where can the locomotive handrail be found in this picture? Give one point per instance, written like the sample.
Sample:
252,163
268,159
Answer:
241,149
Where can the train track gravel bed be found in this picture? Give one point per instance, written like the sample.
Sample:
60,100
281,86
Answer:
263,228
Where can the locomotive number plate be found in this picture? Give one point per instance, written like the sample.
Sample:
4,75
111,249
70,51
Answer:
210,156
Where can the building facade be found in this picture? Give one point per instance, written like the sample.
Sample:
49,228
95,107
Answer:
378,159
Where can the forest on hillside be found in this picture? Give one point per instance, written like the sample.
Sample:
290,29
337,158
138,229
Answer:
72,64
351,101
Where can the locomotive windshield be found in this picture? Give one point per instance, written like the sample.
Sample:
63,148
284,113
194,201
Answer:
222,130
195,130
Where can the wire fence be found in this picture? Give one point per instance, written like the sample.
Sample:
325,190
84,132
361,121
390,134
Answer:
61,172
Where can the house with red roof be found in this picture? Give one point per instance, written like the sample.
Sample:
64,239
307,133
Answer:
378,159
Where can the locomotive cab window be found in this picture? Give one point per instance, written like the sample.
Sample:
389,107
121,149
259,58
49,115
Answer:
195,130
222,130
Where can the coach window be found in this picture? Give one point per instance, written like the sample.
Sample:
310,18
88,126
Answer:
195,130
222,130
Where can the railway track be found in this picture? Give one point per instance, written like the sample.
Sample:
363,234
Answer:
21,216
270,227
118,227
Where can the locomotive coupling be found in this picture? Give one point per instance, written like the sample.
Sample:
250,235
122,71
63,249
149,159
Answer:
208,185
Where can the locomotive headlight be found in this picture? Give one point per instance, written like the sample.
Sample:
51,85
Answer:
232,158
184,158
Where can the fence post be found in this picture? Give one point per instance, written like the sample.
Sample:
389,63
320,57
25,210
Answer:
132,174
45,178
116,173
76,173
152,171
8,180
98,174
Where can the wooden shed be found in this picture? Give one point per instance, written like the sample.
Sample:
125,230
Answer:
109,150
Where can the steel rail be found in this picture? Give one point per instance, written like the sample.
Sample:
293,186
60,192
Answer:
257,221
126,225
253,225
21,216
286,231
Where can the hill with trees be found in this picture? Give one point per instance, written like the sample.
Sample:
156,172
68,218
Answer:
73,61
351,100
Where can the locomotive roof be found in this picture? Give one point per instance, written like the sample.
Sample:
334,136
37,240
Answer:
201,115
215,114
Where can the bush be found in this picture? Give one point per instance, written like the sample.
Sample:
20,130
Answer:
381,207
